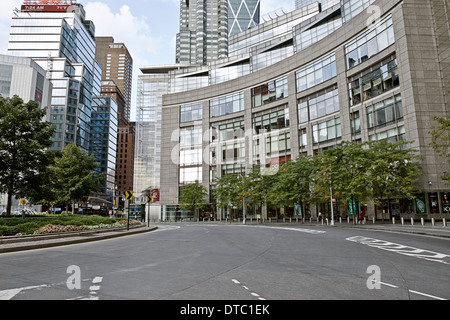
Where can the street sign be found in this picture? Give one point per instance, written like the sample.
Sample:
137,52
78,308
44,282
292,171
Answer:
154,194
149,199
129,195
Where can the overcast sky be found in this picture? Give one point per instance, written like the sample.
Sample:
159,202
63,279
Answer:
148,28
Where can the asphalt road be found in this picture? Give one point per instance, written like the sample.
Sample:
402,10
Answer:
237,263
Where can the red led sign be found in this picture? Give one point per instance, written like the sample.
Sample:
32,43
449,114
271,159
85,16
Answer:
46,5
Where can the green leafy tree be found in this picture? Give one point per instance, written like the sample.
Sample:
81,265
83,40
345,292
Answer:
293,183
228,191
24,139
344,173
192,197
440,140
74,176
393,170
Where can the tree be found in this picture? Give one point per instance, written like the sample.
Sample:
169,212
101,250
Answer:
228,191
192,197
74,177
24,139
293,183
440,140
344,172
393,171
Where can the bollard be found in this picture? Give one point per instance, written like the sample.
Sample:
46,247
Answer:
444,222
340,219
393,220
433,222
412,221
327,220
373,220
422,221
348,219
403,220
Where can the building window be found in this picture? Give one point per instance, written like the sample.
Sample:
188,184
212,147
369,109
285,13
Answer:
275,120
191,112
269,92
374,81
318,105
374,40
227,104
385,112
326,131
392,135
317,72
355,122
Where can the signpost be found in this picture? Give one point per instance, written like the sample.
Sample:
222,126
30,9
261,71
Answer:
129,197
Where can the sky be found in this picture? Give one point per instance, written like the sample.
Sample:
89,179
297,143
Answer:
148,28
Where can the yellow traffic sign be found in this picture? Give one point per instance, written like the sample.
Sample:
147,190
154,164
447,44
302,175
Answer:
149,199
129,195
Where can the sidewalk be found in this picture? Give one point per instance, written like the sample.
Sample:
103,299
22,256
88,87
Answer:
14,244
438,230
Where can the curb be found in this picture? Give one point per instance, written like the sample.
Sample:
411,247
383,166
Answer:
87,236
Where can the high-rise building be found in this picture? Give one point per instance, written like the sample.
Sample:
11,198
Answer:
205,27
117,65
347,73
152,85
59,38
103,147
242,15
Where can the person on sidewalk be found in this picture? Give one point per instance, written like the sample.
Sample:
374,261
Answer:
361,217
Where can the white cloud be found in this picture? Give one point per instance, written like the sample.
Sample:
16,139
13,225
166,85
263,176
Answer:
133,31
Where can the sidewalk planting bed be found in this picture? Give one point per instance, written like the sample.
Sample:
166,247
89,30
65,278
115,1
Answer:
13,226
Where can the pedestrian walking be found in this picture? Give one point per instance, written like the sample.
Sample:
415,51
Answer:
361,217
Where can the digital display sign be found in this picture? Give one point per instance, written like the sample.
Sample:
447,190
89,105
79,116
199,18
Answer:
46,5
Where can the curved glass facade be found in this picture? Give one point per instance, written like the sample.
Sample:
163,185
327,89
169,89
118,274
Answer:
357,84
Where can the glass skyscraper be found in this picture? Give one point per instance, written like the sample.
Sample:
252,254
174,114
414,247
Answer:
103,143
242,15
62,43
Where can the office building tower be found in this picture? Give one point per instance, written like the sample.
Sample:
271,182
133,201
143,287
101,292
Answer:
205,27
242,15
103,147
152,85
117,65
59,38
343,74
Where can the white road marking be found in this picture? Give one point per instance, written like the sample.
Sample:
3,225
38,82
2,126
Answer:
310,231
247,288
387,284
426,295
402,249
11,293
97,280
413,291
